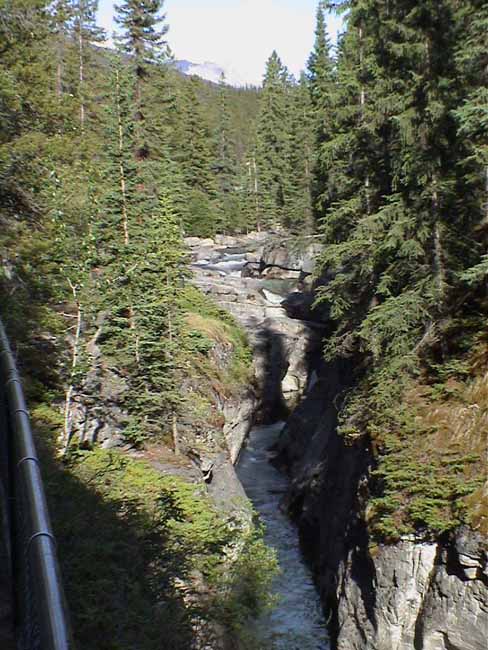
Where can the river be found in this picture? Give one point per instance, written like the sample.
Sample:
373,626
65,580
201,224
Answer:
297,622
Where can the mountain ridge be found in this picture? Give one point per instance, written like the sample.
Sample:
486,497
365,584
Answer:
210,71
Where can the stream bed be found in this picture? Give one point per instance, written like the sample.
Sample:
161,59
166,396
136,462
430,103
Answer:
297,622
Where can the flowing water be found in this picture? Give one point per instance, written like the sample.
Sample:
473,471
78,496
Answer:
297,622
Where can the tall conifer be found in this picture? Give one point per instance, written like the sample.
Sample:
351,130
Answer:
143,38
272,144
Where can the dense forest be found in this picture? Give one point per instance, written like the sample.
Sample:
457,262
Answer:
109,158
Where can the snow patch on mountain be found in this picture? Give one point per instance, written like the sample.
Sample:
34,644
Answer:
211,72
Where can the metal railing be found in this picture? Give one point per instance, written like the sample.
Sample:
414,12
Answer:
40,610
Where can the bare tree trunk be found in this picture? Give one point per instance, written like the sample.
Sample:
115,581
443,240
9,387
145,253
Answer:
174,420
439,265
256,196
59,69
485,221
81,74
68,419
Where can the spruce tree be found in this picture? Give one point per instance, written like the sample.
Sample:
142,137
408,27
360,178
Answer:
272,145
61,13
142,264
398,229
321,73
320,65
225,164
301,159
196,160
143,38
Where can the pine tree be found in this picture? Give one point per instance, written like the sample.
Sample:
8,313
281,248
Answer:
301,159
397,231
143,38
196,161
61,15
471,116
321,74
225,165
320,64
272,145
142,265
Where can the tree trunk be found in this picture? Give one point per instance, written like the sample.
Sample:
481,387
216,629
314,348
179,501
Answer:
439,264
174,420
59,69
81,74
68,420
485,221
256,197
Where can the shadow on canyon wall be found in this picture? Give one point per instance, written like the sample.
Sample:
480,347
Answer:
327,487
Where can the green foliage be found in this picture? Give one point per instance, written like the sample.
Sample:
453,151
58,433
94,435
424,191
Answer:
419,494
214,325
400,197
161,554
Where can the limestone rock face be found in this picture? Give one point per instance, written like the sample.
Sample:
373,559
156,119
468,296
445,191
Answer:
407,596
283,347
290,256
239,418
419,601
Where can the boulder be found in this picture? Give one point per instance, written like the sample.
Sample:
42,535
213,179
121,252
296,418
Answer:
198,242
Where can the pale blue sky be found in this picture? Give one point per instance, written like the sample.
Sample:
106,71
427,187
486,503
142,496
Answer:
239,34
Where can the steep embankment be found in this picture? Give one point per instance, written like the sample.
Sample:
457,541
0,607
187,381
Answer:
425,591
411,594
422,590
252,278
166,537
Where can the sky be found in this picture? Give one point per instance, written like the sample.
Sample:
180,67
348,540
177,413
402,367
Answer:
239,35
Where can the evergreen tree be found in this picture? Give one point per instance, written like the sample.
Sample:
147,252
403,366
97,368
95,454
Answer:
301,159
398,230
61,15
142,265
272,145
320,64
249,191
143,38
225,165
321,80
472,120
196,161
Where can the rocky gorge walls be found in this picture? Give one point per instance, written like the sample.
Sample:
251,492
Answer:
406,596
412,595
251,278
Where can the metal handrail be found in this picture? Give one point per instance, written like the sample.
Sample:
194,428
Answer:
42,614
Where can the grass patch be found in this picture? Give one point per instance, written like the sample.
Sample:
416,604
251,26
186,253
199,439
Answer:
429,433
214,335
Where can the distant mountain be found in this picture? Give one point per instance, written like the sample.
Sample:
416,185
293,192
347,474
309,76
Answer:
210,72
